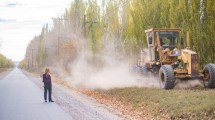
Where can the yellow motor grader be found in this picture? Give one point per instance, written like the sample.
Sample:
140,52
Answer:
168,59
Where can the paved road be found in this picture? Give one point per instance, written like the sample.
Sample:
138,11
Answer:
21,99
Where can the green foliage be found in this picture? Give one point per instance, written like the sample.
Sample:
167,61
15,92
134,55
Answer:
5,63
23,64
123,23
93,16
41,49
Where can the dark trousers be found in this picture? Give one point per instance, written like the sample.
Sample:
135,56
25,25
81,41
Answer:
49,89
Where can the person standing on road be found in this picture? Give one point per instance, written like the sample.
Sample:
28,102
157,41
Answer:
47,85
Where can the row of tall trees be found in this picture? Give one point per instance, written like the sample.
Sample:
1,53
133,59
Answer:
5,62
119,26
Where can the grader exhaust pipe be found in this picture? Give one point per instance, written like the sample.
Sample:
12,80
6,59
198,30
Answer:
188,40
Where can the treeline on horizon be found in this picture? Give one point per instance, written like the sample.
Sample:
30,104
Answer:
5,62
121,23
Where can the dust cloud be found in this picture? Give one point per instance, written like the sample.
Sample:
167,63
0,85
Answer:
109,70
113,74
184,84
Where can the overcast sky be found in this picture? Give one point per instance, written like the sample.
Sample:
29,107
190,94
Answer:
21,20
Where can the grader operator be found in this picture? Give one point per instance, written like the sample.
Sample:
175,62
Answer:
171,61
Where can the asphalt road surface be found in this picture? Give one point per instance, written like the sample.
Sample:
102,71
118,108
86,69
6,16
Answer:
21,99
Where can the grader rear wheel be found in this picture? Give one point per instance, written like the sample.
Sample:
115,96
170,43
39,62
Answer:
209,76
166,76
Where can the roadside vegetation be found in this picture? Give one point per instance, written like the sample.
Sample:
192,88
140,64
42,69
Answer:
5,63
195,103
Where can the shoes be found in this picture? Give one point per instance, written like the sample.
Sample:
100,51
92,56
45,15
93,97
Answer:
51,101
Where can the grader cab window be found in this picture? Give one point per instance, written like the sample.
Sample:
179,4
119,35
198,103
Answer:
150,42
150,37
169,39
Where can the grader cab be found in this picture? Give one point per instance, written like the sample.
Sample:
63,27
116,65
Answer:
171,61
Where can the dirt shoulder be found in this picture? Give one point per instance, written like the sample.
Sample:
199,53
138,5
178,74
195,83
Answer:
146,103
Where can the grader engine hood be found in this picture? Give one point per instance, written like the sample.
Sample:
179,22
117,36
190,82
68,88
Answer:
190,58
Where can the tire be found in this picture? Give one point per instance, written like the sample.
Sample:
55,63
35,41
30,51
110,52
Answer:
166,77
209,75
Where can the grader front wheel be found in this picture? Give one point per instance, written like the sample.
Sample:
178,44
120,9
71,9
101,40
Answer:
166,76
209,76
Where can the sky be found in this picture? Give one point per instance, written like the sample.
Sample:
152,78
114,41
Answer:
21,20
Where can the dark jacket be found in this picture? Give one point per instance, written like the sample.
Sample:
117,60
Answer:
47,79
